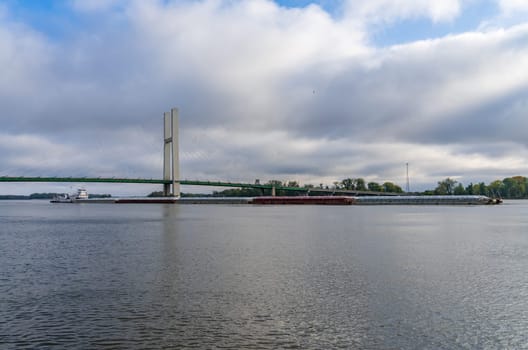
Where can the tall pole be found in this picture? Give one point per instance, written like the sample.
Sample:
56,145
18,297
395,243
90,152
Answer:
408,185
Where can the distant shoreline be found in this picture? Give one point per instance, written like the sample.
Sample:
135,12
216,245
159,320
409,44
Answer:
14,197
48,196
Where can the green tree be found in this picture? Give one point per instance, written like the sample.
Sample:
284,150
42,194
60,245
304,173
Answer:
482,189
514,187
390,187
360,184
276,183
374,186
496,188
292,184
354,184
459,190
446,187
348,184
476,189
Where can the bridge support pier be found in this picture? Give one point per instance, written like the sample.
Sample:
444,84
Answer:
166,190
171,161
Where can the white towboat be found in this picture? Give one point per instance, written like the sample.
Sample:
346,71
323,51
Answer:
81,194
70,198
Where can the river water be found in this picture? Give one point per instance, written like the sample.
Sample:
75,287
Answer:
263,277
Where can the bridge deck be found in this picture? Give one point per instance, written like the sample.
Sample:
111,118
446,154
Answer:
187,182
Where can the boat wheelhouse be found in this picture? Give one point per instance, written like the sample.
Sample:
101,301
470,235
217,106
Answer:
81,194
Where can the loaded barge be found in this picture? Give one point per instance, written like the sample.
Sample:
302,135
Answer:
307,200
379,200
427,200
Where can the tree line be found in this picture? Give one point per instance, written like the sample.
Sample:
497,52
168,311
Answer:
349,184
515,187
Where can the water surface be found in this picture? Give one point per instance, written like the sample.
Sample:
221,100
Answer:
263,277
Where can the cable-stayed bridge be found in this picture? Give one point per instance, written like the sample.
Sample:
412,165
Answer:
171,172
265,187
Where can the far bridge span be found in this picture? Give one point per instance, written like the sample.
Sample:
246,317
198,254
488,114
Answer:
269,187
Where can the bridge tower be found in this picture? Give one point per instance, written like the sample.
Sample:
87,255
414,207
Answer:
171,161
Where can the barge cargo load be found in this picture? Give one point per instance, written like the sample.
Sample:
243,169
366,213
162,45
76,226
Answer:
426,200
314,200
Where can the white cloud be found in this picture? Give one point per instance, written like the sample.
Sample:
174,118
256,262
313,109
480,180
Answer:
390,10
464,72
265,92
242,52
513,6
509,13
24,56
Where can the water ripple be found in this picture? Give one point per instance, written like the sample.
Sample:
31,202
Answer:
232,277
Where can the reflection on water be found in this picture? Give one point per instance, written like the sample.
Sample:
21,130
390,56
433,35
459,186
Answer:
197,276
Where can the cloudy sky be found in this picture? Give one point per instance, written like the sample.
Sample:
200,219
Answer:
312,91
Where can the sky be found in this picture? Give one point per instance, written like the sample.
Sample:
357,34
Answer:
306,91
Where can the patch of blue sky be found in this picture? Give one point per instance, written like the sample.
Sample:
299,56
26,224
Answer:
410,30
54,19
330,6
